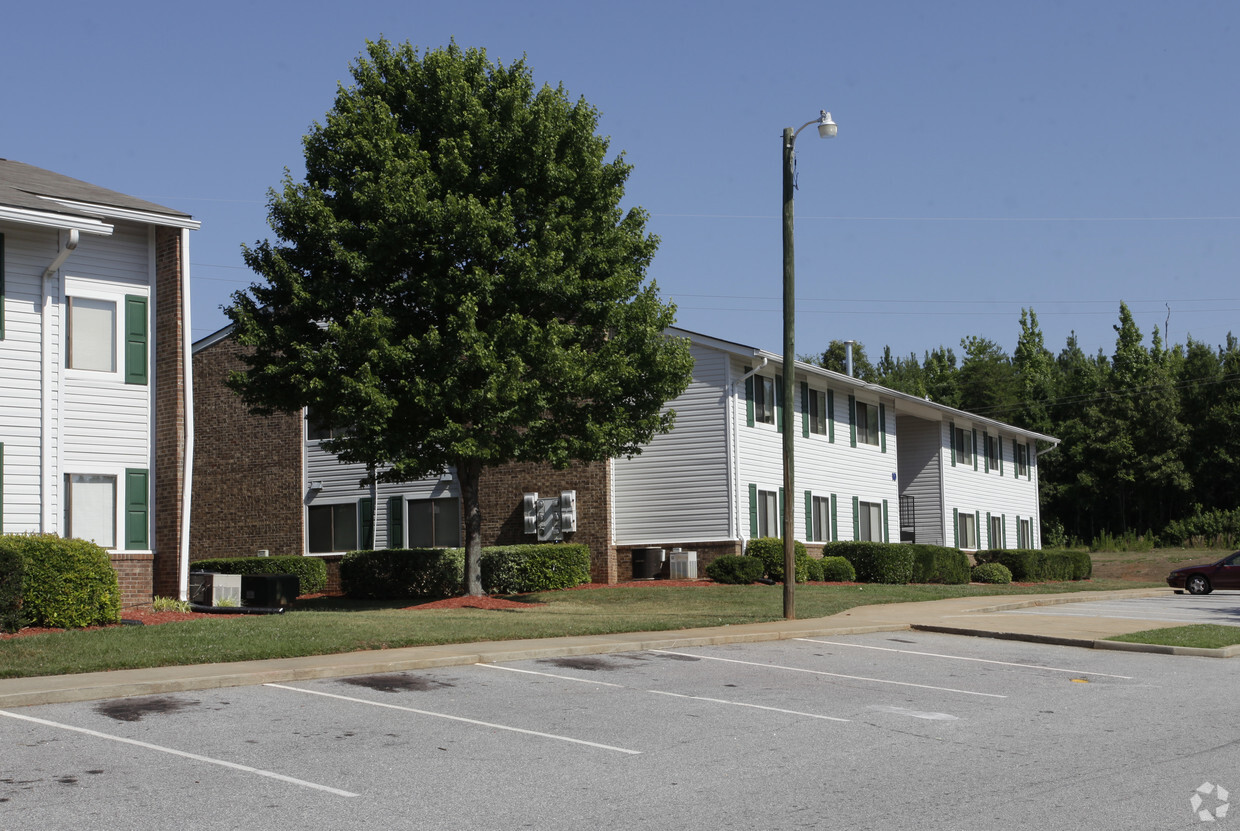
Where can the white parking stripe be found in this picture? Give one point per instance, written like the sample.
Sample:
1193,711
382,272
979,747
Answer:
964,658
194,756
661,692
831,674
457,718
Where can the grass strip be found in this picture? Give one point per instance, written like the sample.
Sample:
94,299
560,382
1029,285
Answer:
1200,635
333,625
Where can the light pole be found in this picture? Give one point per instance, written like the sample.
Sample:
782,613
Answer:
826,129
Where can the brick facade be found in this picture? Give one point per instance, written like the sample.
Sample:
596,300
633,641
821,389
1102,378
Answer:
133,573
170,427
247,468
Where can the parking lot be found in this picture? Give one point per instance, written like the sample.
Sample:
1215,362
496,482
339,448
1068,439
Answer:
894,730
1172,609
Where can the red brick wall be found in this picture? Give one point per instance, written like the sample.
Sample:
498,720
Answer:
133,572
501,491
247,468
170,428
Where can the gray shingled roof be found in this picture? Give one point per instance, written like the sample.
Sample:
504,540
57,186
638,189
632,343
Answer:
21,185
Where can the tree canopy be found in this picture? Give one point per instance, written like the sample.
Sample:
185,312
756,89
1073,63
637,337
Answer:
455,282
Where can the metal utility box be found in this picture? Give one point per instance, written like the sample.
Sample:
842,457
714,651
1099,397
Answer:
269,590
683,564
208,588
647,562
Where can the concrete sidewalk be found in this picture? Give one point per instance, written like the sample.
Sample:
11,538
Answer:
977,616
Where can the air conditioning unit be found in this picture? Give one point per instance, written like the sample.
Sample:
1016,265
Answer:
208,589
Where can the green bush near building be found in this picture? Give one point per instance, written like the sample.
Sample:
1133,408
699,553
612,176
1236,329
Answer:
311,571
64,583
770,550
875,562
516,569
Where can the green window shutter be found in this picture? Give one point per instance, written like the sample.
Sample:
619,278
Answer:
1003,529
852,420
749,398
886,532
805,409
1019,542
809,515
753,511
951,439
986,447
395,522
831,415
835,525
990,542
856,518
882,426
135,339
366,523
137,509
974,439
782,517
1029,462
977,527
956,527
999,444
779,403
1,286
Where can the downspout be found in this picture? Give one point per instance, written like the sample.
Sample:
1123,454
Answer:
187,475
45,372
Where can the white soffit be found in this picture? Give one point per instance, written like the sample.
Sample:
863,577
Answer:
55,220
147,217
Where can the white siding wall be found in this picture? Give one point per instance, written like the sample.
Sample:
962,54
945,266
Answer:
28,251
920,460
821,466
677,489
1001,493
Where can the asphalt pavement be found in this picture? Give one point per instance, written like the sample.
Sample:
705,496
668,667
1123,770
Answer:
1039,619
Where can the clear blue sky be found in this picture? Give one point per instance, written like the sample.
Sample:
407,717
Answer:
991,156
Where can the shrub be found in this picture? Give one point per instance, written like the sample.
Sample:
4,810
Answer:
734,569
311,571
937,564
770,550
66,583
512,569
875,562
813,572
403,572
11,571
995,573
1209,529
837,570
1034,566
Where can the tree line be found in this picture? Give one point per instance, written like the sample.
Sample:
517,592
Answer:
1150,434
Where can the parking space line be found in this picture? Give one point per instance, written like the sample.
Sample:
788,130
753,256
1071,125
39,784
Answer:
457,718
662,692
965,658
194,756
831,674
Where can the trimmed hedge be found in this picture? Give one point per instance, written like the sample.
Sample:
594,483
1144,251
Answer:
875,562
936,564
66,583
994,573
311,571
1040,566
770,550
12,568
403,572
813,572
735,570
513,569
837,570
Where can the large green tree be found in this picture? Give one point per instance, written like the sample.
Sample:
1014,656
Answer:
455,282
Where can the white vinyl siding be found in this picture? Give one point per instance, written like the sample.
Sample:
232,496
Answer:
1008,495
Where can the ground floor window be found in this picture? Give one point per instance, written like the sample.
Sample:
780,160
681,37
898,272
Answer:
332,528
1025,534
768,514
996,532
435,523
968,531
90,508
870,521
820,523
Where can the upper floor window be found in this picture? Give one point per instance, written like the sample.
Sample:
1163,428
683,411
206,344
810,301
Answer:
867,423
764,399
818,412
992,452
316,431
1022,460
91,327
964,446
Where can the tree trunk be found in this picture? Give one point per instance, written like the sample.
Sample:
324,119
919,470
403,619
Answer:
470,471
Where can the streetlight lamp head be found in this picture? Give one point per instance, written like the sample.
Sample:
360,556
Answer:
826,127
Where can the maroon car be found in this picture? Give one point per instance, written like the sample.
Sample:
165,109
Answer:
1225,574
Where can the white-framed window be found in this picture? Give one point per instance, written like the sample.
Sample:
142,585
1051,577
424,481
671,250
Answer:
996,532
870,521
332,528
867,423
992,452
1022,459
820,519
768,514
434,523
91,328
1024,533
763,400
818,412
968,530
90,508
964,445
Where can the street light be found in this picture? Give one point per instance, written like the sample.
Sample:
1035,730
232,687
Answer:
826,129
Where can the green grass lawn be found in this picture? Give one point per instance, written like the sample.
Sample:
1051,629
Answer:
1201,635
331,625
